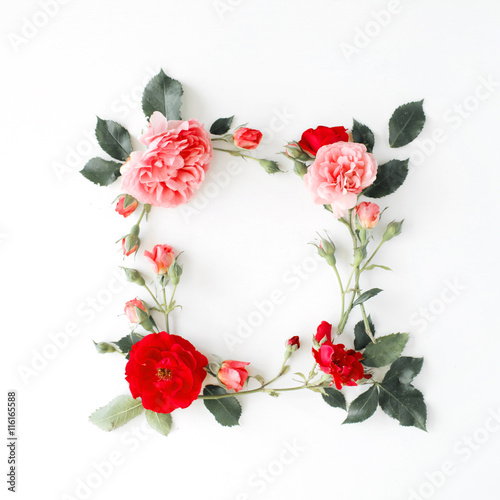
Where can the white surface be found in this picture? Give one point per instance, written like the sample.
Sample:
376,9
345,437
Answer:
260,60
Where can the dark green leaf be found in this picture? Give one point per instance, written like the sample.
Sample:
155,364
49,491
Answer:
117,413
160,422
406,123
365,296
361,133
221,126
334,398
361,339
113,139
385,351
100,171
363,406
126,343
390,177
163,94
227,411
403,370
404,403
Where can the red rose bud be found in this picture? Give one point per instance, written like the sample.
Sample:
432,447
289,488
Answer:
324,332
161,258
393,229
233,374
293,344
368,214
247,138
131,310
165,371
313,139
126,205
343,365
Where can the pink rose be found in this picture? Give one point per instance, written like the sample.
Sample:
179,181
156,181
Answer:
340,172
131,312
160,258
233,374
174,165
368,214
247,138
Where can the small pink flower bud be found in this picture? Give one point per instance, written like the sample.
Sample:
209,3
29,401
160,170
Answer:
233,374
368,214
126,205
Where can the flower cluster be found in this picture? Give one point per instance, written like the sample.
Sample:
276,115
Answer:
165,372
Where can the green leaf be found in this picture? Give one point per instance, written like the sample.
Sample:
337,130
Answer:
363,407
163,94
334,398
365,296
361,339
221,126
125,343
385,351
100,171
373,266
227,411
117,413
390,177
361,133
405,403
406,123
403,371
113,139
160,422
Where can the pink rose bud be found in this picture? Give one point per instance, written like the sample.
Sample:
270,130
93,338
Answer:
293,343
131,310
233,374
130,244
368,214
160,258
247,138
126,205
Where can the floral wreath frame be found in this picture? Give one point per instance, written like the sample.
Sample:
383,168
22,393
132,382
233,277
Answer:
165,372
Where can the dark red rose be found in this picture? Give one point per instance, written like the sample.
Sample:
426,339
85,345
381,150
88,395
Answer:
313,139
343,365
165,371
324,331
293,343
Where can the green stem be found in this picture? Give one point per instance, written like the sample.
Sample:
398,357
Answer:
373,255
236,153
341,287
153,295
165,311
143,213
261,389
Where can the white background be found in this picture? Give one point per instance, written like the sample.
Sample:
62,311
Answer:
282,67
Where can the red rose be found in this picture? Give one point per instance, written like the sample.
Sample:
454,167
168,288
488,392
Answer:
313,139
165,371
324,331
247,138
343,365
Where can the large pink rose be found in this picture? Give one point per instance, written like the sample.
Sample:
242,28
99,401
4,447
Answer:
340,172
174,165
